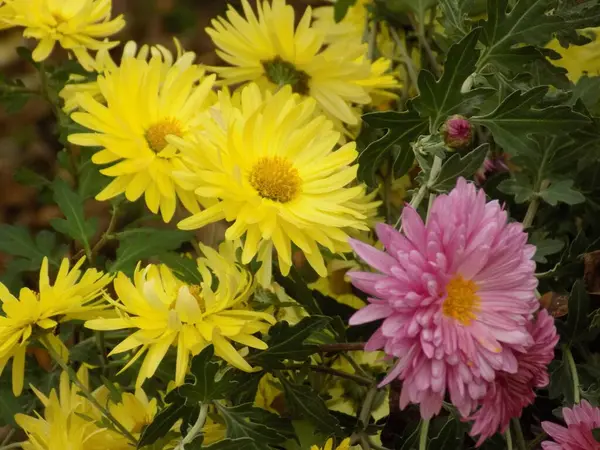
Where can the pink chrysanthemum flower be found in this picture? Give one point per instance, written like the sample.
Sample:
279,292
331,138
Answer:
456,295
577,435
509,393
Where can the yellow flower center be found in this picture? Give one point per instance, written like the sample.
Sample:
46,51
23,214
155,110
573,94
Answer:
156,135
462,301
275,178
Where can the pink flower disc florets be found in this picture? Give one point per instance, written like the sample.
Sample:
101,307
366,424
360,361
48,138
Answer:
456,295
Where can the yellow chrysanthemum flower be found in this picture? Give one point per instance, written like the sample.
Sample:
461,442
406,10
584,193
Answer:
270,50
77,25
271,165
167,312
579,59
71,297
103,63
145,103
345,445
70,421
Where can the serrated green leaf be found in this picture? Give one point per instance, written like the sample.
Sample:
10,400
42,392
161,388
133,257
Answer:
287,342
162,423
28,177
457,166
303,402
185,268
263,428
142,243
440,99
579,309
562,191
519,185
296,287
454,15
340,9
544,247
74,225
516,118
403,128
207,386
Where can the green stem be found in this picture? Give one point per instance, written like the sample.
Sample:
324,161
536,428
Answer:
328,370
196,429
365,411
507,435
418,26
423,435
84,390
574,374
15,445
406,59
8,437
521,445
344,347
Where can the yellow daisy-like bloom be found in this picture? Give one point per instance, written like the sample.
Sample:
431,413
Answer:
268,49
270,163
72,296
579,59
345,445
144,102
77,25
104,63
167,312
70,421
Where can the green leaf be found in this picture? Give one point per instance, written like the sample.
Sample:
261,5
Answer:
74,225
287,342
454,15
441,99
162,423
457,166
231,444
185,268
519,186
28,177
544,247
142,243
340,9
450,436
562,191
561,380
579,309
207,384
588,90
9,405
90,180
303,402
263,428
516,118
14,95
403,128
296,287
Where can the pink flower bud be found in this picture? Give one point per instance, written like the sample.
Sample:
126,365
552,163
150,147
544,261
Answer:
457,131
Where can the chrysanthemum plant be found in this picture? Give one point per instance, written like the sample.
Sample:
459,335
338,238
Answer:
374,225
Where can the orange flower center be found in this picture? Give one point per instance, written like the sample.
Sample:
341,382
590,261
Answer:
156,135
275,178
462,301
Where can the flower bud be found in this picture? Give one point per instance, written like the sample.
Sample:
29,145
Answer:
457,132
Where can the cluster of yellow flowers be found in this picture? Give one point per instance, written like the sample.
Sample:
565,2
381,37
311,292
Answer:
265,157
271,157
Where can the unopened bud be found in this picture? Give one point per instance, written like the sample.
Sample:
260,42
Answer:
457,132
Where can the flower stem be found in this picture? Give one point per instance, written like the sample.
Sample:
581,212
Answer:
84,390
521,445
423,435
338,373
508,437
14,445
349,346
196,429
574,374
406,59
